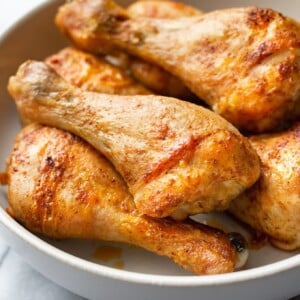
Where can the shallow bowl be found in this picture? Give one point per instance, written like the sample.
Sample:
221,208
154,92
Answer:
269,274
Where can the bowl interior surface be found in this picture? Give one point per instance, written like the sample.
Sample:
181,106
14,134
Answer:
36,37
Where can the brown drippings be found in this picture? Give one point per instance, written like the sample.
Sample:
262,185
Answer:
3,179
257,239
119,264
108,253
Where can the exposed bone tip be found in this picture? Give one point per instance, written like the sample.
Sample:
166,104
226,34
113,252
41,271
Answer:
241,247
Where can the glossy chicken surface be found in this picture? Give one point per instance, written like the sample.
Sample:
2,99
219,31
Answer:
244,62
159,81
151,75
60,186
93,73
272,205
162,9
177,158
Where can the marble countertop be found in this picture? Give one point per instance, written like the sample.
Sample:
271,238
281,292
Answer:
17,279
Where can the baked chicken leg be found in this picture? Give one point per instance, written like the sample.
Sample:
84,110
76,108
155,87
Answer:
162,9
160,81
272,205
243,62
176,157
59,186
151,75
93,73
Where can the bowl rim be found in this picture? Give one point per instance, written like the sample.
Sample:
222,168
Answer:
124,275
141,278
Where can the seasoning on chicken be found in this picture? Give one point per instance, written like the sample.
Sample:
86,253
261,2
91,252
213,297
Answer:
177,158
151,75
60,186
93,73
272,205
162,9
244,62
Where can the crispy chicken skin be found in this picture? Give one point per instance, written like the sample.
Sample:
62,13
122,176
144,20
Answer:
272,205
63,188
160,81
151,75
93,73
163,9
177,158
244,62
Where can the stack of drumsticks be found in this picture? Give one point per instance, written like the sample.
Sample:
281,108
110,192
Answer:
117,144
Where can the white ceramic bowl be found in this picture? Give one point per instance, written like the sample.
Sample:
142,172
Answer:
269,274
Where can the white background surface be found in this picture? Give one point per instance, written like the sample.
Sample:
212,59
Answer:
17,279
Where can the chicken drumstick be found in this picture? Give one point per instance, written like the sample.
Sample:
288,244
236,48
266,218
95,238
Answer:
243,62
272,205
177,158
60,186
151,75
93,73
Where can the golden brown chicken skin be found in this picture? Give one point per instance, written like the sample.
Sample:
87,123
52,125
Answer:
93,73
150,75
163,9
60,186
160,81
272,205
244,62
176,157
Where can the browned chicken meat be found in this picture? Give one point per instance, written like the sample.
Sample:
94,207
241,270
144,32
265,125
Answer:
244,62
272,205
150,75
160,81
163,9
177,158
61,187
93,73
